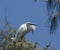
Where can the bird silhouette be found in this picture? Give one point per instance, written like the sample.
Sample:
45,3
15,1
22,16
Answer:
24,29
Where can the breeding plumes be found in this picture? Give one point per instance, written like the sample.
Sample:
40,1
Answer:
24,29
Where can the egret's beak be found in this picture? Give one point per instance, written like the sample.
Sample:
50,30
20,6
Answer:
33,24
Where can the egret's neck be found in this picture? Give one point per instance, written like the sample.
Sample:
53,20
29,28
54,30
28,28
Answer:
28,27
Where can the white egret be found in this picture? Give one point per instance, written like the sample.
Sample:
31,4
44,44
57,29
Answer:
24,29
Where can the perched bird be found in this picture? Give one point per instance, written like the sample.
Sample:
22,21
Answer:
24,29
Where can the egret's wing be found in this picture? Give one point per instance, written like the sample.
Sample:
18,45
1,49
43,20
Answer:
18,33
22,30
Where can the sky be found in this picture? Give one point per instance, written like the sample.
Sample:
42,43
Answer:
21,11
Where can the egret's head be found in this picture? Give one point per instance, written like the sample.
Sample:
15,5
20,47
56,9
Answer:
32,26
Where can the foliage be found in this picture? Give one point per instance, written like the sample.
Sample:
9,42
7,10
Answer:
53,8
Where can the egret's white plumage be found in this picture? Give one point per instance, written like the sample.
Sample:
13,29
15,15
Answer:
34,27
24,29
